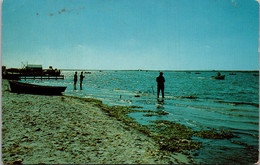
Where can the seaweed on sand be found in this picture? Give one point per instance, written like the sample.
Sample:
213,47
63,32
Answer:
177,137
170,136
174,136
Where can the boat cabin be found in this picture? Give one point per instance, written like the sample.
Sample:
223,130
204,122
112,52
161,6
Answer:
33,70
34,67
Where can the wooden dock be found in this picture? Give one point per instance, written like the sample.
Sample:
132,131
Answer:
42,77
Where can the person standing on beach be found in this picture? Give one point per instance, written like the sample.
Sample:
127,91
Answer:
160,84
81,80
75,80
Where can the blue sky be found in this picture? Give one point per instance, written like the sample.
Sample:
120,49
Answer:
131,34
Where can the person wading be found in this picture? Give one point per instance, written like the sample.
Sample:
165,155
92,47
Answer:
75,80
160,84
81,80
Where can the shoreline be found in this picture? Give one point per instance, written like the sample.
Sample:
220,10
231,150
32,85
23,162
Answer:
66,129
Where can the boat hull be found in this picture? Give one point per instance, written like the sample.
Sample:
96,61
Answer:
19,87
222,77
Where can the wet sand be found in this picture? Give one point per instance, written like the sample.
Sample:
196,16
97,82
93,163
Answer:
62,129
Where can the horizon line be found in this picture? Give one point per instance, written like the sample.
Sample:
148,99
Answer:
203,70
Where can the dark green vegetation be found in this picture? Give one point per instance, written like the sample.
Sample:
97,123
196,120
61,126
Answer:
170,136
177,137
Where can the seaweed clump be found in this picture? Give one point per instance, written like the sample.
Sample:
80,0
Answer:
177,137
214,134
174,136
170,136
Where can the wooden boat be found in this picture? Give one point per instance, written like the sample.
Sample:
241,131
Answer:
19,87
11,76
222,77
31,70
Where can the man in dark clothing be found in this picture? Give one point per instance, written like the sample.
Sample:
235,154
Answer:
75,80
160,84
81,80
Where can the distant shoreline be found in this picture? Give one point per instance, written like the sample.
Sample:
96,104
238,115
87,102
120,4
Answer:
155,70
160,70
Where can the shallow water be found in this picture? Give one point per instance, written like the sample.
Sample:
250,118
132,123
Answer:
231,104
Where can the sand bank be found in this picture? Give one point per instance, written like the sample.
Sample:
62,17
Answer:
61,130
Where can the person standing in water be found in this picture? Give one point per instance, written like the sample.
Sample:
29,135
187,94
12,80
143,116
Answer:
75,80
81,80
160,84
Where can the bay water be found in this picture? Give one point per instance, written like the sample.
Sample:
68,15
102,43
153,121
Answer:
192,98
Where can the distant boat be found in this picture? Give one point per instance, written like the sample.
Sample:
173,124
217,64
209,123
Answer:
19,87
197,73
232,74
88,72
221,77
256,74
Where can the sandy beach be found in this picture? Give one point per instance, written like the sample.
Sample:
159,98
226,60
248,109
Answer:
66,130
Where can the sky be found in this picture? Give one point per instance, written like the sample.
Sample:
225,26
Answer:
131,34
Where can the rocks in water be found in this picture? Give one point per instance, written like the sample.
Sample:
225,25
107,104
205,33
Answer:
162,113
149,115
156,113
189,97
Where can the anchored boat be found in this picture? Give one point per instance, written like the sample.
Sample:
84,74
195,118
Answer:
19,87
222,77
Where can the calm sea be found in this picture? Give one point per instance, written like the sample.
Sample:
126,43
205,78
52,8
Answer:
194,99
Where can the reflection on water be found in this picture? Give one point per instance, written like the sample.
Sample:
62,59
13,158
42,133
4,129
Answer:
195,100
160,103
